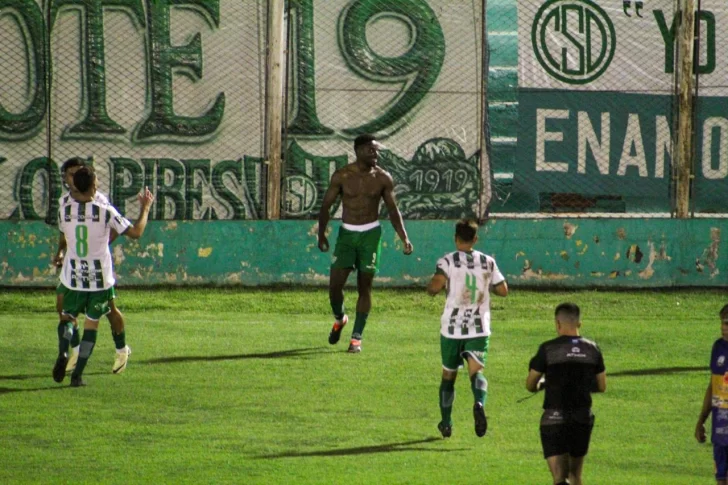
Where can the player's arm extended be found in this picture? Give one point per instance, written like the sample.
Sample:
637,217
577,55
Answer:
501,289
62,246
437,283
145,199
601,382
704,413
330,196
394,215
532,380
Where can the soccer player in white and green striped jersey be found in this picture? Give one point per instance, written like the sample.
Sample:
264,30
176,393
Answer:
468,276
116,319
87,271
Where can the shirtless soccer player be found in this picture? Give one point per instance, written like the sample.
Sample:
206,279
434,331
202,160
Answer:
362,185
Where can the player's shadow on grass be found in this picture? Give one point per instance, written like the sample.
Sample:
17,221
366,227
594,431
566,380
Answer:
281,354
25,377
657,371
364,450
9,390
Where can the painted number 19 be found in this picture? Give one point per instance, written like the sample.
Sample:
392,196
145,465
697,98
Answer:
416,70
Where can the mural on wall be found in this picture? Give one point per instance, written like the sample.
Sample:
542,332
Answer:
405,70
170,95
157,93
591,124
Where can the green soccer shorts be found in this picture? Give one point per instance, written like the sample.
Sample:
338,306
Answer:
358,250
61,290
454,351
93,304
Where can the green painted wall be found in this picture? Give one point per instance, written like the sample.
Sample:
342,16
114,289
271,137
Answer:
549,253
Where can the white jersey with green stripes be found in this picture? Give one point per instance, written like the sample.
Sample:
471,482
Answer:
469,278
86,226
98,197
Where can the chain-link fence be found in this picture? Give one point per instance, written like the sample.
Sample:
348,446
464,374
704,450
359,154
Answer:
710,167
151,93
591,127
581,117
408,71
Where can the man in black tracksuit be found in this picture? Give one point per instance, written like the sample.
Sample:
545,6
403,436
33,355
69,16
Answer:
569,368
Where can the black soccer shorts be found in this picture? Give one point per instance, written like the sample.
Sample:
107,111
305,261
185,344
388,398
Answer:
566,433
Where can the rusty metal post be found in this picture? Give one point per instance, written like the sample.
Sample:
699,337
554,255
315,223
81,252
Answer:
686,88
274,107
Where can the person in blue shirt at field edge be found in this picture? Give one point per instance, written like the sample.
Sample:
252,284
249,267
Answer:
716,402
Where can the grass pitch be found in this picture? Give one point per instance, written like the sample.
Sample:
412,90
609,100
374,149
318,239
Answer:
241,386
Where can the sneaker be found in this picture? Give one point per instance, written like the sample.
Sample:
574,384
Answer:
335,334
121,359
445,429
354,346
481,422
77,381
59,370
72,360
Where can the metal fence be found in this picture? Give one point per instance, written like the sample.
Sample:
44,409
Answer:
592,125
408,71
583,116
150,93
592,128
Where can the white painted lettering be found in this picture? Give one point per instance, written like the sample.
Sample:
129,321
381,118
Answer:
721,172
588,137
663,146
542,136
633,138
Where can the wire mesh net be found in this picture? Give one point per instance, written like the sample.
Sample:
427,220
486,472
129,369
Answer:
407,71
150,93
582,106
581,113
710,166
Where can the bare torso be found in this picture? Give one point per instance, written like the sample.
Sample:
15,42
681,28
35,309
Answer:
361,193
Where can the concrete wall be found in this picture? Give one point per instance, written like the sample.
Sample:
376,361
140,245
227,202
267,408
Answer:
551,253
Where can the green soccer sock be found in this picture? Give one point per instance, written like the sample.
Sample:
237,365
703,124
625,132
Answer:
76,337
479,385
359,324
87,347
119,339
447,397
338,308
65,333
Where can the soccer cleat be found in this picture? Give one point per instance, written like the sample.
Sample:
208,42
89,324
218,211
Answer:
59,370
77,381
121,359
354,346
481,422
335,334
72,360
445,429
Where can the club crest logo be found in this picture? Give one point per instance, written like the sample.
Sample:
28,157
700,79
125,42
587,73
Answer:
574,40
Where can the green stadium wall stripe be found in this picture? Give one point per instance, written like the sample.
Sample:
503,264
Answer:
548,253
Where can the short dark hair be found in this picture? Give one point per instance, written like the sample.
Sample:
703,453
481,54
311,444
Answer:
72,162
723,313
364,140
569,310
83,179
466,230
